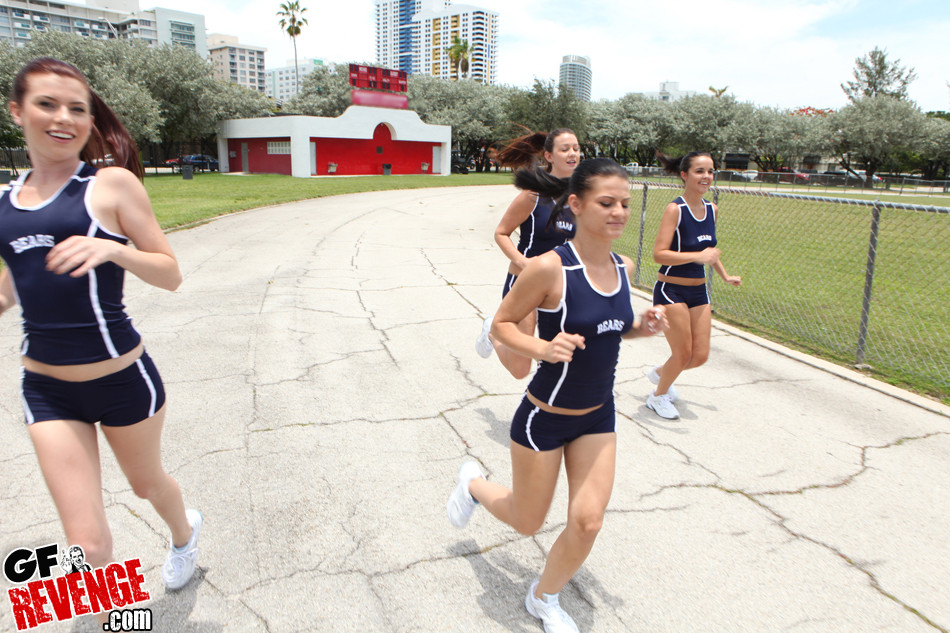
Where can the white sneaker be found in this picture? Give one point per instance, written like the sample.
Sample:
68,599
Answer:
654,377
461,504
663,405
179,567
483,344
549,611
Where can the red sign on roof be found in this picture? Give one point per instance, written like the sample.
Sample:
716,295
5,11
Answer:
375,78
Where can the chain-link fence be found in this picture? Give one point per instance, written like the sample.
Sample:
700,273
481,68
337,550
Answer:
829,182
864,283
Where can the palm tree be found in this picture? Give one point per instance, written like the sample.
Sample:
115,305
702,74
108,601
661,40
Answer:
459,54
291,20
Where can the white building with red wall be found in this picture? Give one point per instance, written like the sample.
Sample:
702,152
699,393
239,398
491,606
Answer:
362,141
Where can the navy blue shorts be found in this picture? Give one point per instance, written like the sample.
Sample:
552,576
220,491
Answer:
120,399
509,282
665,293
543,431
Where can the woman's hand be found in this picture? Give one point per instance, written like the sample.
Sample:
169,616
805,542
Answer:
78,254
709,256
561,348
733,280
652,321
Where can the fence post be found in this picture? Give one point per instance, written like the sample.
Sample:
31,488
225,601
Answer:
868,283
709,269
643,220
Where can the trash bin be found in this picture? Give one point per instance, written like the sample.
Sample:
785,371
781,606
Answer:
387,169
187,172
4,176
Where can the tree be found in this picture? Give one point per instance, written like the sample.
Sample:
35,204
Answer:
870,131
544,108
291,19
476,112
773,138
701,123
875,76
459,53
326,91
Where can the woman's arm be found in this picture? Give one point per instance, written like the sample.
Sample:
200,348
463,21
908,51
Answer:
538,286
718,266
664,239
121,205
652,321
7,296
518,211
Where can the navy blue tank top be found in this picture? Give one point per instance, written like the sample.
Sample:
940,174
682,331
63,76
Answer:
601,318
66,320
535,236
691,236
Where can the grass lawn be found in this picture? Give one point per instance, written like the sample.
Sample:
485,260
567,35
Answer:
803,266
178,202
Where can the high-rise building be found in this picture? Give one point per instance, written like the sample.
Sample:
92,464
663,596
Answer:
101,19
394,30
435,31
238,63
577,75
281,82
669,91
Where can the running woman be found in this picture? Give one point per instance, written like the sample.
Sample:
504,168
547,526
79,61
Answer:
581,293
65,228
685,243
530,213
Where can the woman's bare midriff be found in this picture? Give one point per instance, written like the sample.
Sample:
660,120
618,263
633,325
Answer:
88,371
682,281
559,410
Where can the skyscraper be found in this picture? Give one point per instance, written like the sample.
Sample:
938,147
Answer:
394,30
435,31
577,75
414,36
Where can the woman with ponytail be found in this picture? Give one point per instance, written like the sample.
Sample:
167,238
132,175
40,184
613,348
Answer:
65,229
685,243
530,214
581,293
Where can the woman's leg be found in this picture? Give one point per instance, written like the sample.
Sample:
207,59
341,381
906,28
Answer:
68,454
137,448
679,336
533,479
590,462
700,319
517,365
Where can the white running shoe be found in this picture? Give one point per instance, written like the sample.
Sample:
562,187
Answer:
654,376
663,405
549,611
179,567
483,344
461,504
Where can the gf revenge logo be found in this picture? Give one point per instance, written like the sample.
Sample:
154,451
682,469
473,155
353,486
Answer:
81,591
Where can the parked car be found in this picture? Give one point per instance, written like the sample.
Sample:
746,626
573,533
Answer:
864,176
200,162
786,174
632,168
171,162
460,165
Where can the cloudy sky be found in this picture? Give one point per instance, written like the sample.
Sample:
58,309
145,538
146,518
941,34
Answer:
768,52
